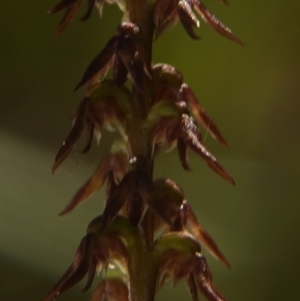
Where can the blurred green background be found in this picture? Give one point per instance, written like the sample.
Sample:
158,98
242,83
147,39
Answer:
252,92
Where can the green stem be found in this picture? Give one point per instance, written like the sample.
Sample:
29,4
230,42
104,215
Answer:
141,13
142,270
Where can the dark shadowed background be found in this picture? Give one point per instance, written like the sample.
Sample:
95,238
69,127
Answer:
252,93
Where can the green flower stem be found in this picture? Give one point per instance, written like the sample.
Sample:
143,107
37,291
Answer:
141,13
142,270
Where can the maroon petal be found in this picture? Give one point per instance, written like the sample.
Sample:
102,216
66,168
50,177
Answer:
192,287
190,135
89,10
164,15
211,20
68,17
203,279
183,153
118,199
111,185
64,4
98,67
129,55
91,129
112,162
76,271
204,238
90,274
188,18
74,135
187,95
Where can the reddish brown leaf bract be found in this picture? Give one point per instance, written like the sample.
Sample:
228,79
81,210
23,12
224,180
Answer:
123,54
100,64
118,199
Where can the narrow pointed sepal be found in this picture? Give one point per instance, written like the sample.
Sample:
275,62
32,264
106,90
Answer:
111,163
188,18
100,64
213,22
71,8
64,4
91,4
165,15
203,279
202,235
183,153
118,199
190,134
74,135
187,95
192,287
81,265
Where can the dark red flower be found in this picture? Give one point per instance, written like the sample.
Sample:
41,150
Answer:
171,197
172,123
179,257
115,164
167,12
95,251
71,8
105,106
122,53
